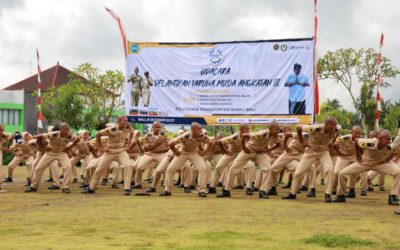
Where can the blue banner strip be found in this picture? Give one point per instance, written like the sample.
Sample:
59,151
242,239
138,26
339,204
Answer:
166,120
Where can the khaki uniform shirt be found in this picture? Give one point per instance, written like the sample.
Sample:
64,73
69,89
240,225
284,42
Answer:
372,155
4,139
147,82
233,142
116,138
150,140
190,144
346,146
136,81
58,144
296,146
259,141
319,141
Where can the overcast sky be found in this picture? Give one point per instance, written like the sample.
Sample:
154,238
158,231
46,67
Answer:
77,31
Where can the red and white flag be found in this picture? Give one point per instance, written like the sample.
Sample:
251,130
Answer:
39,92
378,86
121,29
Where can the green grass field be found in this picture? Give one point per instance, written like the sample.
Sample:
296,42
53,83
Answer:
109,220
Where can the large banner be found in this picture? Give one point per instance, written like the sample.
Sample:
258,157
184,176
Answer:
221,83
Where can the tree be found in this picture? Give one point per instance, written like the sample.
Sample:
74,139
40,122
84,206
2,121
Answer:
357,69
88,100
333,108
102,93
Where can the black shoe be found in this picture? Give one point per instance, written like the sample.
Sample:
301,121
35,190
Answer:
127,192
66,191
219,184
237,187
340,198
104,182
272,191
322,182
351,193
177,183
61,176
289,185
202,194
225,193
303,188
281,182
165,193
137,186
397,212
312,193
248,191
333,192
150,190
88,191
180,186
8,179
370,189
75,180
212,190
187,190
363,193
30,190
382,189
375,185
82,177
114,186
149,180
49,180
254,189
393,200
53,187
263,195
328,198
28,182
84,186
192,187
290,196
120,182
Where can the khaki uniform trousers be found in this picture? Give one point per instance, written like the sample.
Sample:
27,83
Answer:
387,168
341,164
179,161
17,160
130,172
240,162
285,160
262,173
306,162
250,173
91,167
148,160
121,157
135,97
47,160
146,97
74,160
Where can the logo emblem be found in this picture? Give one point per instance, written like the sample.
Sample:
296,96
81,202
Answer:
283,47
135,48
276,46
216,56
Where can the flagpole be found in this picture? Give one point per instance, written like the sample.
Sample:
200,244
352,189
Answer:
378,86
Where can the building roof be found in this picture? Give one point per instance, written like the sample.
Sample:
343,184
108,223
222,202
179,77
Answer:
54,76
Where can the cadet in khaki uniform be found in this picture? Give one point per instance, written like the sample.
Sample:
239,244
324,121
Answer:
234,144
155,145
376,155
116,150
321,137
135,152
136,80
5,142
162,167
58,143
97,150
80,152
290,158
22,152
191,142
254,147
345,148
147,83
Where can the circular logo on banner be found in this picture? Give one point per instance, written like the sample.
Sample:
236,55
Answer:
283,47
135,48
276,46
216,56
